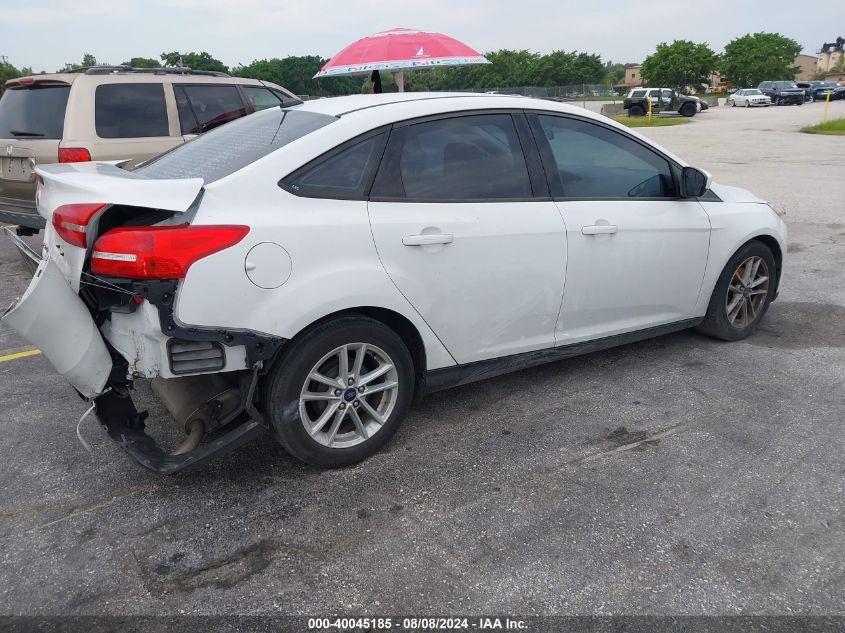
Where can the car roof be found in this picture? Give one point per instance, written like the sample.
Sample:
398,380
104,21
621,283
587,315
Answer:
381,109
131,77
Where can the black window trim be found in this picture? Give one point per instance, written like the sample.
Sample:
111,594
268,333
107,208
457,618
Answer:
527,144
548,159
286,182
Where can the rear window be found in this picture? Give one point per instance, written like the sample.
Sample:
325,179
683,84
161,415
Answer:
130,111
227,149
37,112
636,94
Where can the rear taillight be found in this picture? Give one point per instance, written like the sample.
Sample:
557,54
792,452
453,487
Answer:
71,221
160,252
74,155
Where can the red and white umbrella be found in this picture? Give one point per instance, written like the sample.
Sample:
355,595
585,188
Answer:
398,50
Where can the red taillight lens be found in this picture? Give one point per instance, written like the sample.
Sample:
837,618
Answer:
74,155
71,221
160,252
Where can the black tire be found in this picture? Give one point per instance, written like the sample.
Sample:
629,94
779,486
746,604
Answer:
687,110
290,375
636,110
716,322
778,101
733,103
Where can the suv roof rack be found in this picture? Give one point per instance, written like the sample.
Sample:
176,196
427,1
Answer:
173,70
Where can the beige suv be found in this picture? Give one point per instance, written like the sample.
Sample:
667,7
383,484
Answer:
110,113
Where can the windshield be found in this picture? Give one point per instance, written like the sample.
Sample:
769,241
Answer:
37,112
232,147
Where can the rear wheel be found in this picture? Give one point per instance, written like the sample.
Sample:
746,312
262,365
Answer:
742,294
340,392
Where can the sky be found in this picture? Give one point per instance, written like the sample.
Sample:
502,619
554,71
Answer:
48,33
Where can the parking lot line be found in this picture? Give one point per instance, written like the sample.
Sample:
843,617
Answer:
19,353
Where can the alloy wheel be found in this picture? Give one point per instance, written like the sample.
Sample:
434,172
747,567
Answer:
349,395
747,292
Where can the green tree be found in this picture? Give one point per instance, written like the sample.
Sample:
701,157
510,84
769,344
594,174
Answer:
7,72
750,59
194,61
296,74
142,62
88,60
679,64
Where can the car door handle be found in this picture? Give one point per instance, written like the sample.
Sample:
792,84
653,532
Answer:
431,238
599,229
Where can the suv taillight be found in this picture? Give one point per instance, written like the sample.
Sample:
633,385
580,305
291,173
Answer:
160,252
71,221
74,155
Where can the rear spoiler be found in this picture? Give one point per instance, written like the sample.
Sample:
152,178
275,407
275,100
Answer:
70,183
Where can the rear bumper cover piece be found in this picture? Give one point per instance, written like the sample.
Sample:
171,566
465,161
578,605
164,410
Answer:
125,425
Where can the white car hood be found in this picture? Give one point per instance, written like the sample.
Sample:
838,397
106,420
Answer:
735,194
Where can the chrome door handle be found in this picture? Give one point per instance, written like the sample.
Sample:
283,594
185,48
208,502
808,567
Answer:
425,240
599,229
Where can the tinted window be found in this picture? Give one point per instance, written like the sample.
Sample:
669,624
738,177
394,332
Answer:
33,112
470,157
638,94
130,111
261,98
347,174
202,108
227,149
593,161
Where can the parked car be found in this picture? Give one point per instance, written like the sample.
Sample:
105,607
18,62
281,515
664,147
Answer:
310,271
749,97
662,100
782,92
110,113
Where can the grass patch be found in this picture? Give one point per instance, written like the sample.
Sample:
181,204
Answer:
644,121
834,126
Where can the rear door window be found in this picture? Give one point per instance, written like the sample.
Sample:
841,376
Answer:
37,112
475,157
130,110
202,107
345,174
261,98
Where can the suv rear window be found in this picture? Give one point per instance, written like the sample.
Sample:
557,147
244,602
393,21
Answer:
637,94
227,149
37,112
130,111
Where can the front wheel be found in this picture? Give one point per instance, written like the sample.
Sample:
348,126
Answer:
742,294
688,109
635,110
747,104
339,392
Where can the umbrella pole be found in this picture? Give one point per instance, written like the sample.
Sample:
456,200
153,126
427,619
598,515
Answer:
399,78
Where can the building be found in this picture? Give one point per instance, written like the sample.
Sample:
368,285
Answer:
807,67
631,79
830,55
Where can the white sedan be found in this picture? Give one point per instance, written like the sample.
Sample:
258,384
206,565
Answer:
310,271
749,97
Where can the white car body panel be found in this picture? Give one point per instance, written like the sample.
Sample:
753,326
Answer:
51,316
508,283
495,290
339,271
645,274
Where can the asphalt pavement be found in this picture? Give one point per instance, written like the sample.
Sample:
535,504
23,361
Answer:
679,475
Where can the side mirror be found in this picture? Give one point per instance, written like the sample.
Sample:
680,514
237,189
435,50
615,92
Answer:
694,182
